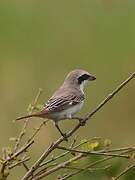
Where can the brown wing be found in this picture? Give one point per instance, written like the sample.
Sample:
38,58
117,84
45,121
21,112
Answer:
60,103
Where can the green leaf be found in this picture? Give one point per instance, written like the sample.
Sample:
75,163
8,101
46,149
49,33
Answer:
93,145
90,146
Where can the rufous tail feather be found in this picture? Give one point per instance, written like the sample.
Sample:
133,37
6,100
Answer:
38,114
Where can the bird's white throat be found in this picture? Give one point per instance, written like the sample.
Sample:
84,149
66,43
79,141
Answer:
82,85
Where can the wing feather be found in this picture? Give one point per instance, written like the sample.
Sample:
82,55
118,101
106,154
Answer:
56,104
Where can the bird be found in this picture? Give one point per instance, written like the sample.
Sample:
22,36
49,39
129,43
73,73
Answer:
67,100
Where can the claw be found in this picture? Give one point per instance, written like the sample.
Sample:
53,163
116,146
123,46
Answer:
82,122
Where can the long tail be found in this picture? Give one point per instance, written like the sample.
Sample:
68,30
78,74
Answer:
38,114
24,117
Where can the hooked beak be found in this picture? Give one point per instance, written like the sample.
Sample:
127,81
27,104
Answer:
92,78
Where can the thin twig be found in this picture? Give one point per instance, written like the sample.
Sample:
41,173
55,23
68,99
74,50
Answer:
21,135
118,149
94,164
87,169
12,157
20,151
37,130
22,132
65,153
61,165
25,166
93,152
125,171
70,133
18,163
84,169
111,95
44,169
79,156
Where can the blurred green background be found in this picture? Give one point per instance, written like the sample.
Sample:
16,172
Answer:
41,41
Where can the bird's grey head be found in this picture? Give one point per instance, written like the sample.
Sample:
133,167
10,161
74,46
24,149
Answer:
78,78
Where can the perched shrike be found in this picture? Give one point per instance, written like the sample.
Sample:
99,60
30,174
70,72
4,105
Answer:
67,100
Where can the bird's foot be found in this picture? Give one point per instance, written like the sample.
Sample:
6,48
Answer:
82,122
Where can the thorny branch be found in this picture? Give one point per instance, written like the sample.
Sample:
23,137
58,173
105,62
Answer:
67,152
14,156
44,167
66,164
55,144
93,152
11,160
19,162
22,132
127,150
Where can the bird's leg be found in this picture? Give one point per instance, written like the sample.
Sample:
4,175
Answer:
63,134
81,120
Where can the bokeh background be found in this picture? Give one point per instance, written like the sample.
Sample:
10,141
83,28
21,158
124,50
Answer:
41,41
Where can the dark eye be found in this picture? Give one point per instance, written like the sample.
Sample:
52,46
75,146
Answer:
83,78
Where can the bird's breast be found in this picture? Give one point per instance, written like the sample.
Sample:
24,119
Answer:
74,109
67,113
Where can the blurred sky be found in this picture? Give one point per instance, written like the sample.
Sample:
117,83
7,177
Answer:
41,41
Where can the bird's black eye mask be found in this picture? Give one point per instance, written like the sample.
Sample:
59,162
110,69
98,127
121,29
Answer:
83,78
